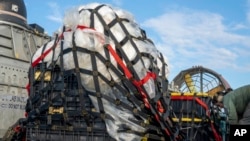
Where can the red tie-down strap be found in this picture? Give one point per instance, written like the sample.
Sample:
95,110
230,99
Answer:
204,105
42,56
138,85
129,75
28,90
17,128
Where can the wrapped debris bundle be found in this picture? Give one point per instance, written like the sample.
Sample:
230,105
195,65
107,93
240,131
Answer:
101,78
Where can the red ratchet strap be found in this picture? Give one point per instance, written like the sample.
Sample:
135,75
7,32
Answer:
217,137
204,105
26,114
17,129
41,57
139,83
120,62
84,27
128,74
47,51
36,62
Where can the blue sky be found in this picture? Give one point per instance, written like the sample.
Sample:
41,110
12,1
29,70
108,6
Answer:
213,34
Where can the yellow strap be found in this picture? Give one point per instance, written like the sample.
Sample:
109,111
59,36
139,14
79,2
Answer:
187,119
47,75
190,94
53,110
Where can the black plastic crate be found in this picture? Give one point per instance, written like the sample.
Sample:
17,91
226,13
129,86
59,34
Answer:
55,112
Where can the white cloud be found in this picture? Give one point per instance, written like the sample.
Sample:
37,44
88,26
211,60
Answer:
199,38
56,15
239,26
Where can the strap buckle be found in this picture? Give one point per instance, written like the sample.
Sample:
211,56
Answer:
53,110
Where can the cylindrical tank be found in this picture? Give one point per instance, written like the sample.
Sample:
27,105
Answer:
18,42
13,11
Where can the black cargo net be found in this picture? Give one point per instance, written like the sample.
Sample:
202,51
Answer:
59,107
162,98
59,101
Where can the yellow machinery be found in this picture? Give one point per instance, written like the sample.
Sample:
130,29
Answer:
194,106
